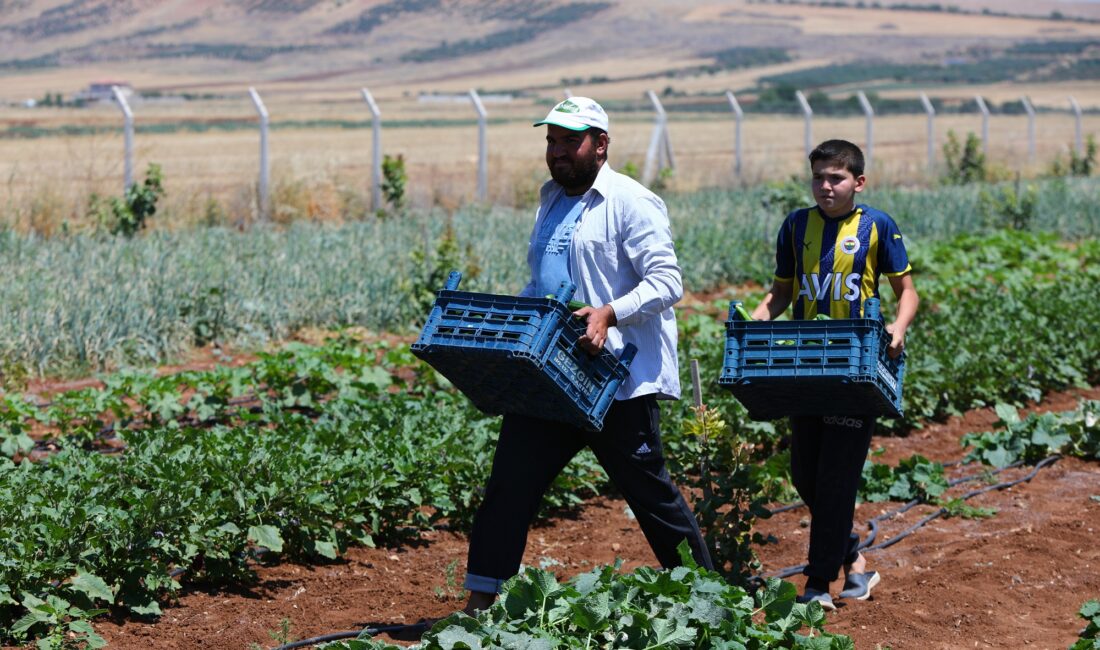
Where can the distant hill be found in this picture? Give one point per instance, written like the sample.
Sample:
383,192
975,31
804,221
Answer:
511,44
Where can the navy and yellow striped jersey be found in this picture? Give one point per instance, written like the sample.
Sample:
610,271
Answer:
835,263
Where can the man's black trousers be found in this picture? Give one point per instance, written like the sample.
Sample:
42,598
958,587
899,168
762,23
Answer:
532,452
827,456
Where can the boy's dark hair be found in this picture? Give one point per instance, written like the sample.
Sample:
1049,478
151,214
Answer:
839,151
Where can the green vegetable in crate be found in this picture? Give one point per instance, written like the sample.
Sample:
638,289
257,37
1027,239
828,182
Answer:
573,305
822,317
743,312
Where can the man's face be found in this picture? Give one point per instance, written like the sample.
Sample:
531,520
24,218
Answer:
835,187
574,157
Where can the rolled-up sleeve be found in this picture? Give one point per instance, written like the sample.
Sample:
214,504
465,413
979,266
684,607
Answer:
647,244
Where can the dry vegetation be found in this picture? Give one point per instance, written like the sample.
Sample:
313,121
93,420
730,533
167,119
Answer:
322,171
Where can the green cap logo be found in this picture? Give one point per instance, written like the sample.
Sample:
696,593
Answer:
567,107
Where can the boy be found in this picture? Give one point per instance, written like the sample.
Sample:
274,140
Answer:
828,261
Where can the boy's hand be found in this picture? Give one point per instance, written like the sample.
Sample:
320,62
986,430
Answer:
599,319
897,340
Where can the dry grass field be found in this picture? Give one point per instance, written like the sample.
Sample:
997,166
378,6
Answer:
324,173
320,169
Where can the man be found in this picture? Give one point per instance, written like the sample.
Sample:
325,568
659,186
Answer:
610,237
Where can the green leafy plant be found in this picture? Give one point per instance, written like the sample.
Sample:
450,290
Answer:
65,625
963,164
729,496
783,197
1089,637
1079,164
430,271
280,636
1038,436
960,508
1083,165
451,589
687,607
16,413
1009,207
129,214
394,180
664,179
915,477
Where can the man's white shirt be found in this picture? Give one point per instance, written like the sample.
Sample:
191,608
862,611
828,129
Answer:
622,254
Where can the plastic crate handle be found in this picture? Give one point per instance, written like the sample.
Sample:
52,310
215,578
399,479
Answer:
565,292
738,311
871,309
453,278
626,357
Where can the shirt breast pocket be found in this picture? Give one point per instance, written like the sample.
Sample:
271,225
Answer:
603,256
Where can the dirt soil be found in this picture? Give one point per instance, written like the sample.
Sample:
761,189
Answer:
1014,580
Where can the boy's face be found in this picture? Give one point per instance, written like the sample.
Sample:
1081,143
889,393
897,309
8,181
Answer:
835,188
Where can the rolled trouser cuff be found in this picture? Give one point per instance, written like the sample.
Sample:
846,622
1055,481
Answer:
483,584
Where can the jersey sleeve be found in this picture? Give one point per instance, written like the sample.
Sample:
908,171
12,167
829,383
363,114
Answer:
784,251
893,260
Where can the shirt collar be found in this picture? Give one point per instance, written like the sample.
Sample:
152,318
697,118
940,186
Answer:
602,184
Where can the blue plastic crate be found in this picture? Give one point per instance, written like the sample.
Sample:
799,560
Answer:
519,355
812,367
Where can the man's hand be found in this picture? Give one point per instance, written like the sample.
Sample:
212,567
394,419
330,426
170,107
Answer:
599,320
897,340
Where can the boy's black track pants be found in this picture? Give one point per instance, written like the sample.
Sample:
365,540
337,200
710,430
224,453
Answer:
827,457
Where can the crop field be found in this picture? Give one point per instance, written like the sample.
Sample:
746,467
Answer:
322,487
214,432
87,302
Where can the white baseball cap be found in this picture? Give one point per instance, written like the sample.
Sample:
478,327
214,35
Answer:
577,114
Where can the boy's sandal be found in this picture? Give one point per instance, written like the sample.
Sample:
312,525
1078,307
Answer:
859,585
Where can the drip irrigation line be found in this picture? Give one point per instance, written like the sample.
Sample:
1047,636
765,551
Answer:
868,543
874,521
787,508
336,636
973,493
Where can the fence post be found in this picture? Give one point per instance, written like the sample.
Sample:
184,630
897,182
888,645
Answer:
739,116
870,138
1030,128
1078,139
808,116
931,112
127,137
985,123
660,150
265,165
376,152
482,147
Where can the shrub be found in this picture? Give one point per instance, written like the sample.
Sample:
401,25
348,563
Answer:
964,164
394,179
128,215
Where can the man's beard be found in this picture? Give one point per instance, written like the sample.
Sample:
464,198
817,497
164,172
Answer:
580,175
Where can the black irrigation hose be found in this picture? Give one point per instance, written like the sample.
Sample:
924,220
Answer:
973,493
866,544
336,636
873,523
